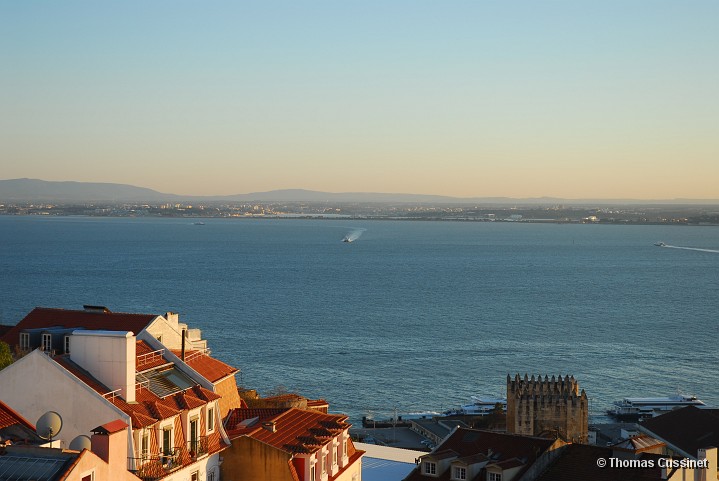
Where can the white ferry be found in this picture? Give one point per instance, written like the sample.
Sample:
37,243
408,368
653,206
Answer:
646,407
479,407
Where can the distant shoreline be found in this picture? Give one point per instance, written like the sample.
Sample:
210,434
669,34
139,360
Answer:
325,217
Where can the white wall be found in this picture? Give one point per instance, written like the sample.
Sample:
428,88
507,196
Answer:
169,330
36,384
109,356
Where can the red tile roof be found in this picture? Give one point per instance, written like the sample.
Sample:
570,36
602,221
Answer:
499,447
9,417
186,400
295,430
688,429
147,358
236,416
205,394
579,461
112,427
43,317
210,368
148,408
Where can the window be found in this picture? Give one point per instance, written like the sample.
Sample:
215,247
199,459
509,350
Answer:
167,441
25,341
193,435
211,475
430,467
494,477
88,476
195,476
145,445
459,473
334,454
47,342
210,419
67,344
313,472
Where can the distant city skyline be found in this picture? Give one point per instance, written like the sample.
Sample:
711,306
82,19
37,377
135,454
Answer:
566,99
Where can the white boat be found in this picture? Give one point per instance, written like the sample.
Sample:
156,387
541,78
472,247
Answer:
660,244
479,407
646,407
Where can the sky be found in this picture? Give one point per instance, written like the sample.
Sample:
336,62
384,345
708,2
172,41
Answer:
517,98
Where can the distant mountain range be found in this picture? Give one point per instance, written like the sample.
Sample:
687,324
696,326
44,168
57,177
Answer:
35,190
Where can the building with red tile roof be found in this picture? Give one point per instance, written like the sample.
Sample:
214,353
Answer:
221,375
15,429
172,415
50,328
290,444
579,462
474,454
685,431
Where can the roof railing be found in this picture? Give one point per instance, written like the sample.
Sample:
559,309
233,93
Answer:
149,357
112,394
195,354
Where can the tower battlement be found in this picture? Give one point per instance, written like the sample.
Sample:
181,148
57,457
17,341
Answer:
542,405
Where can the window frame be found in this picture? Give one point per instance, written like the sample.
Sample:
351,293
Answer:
430,467
210,419
167,450
46,342
459,473
145,444
25,341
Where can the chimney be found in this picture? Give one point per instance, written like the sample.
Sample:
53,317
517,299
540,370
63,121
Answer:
184,336
172,318
109,442
90,308
109,356
270,426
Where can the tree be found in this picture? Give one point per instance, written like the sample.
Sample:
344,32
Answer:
5,355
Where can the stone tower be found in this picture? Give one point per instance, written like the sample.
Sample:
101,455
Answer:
537,406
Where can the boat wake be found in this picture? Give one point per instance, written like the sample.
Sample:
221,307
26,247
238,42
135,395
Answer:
353,235
713,251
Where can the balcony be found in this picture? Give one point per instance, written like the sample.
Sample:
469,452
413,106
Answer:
197,448
157,466
154,467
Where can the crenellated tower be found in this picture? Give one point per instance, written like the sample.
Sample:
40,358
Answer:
537,406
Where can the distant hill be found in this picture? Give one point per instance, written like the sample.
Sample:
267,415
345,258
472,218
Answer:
35,190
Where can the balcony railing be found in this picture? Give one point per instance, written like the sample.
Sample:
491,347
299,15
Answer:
157,466
198,447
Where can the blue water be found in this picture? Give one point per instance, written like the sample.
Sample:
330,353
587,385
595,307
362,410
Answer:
416,316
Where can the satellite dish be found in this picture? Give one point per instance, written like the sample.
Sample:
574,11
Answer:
49,425
81,442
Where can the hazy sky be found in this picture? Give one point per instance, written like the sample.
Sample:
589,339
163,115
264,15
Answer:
571,98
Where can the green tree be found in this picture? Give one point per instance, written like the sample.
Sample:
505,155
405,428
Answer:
5,355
